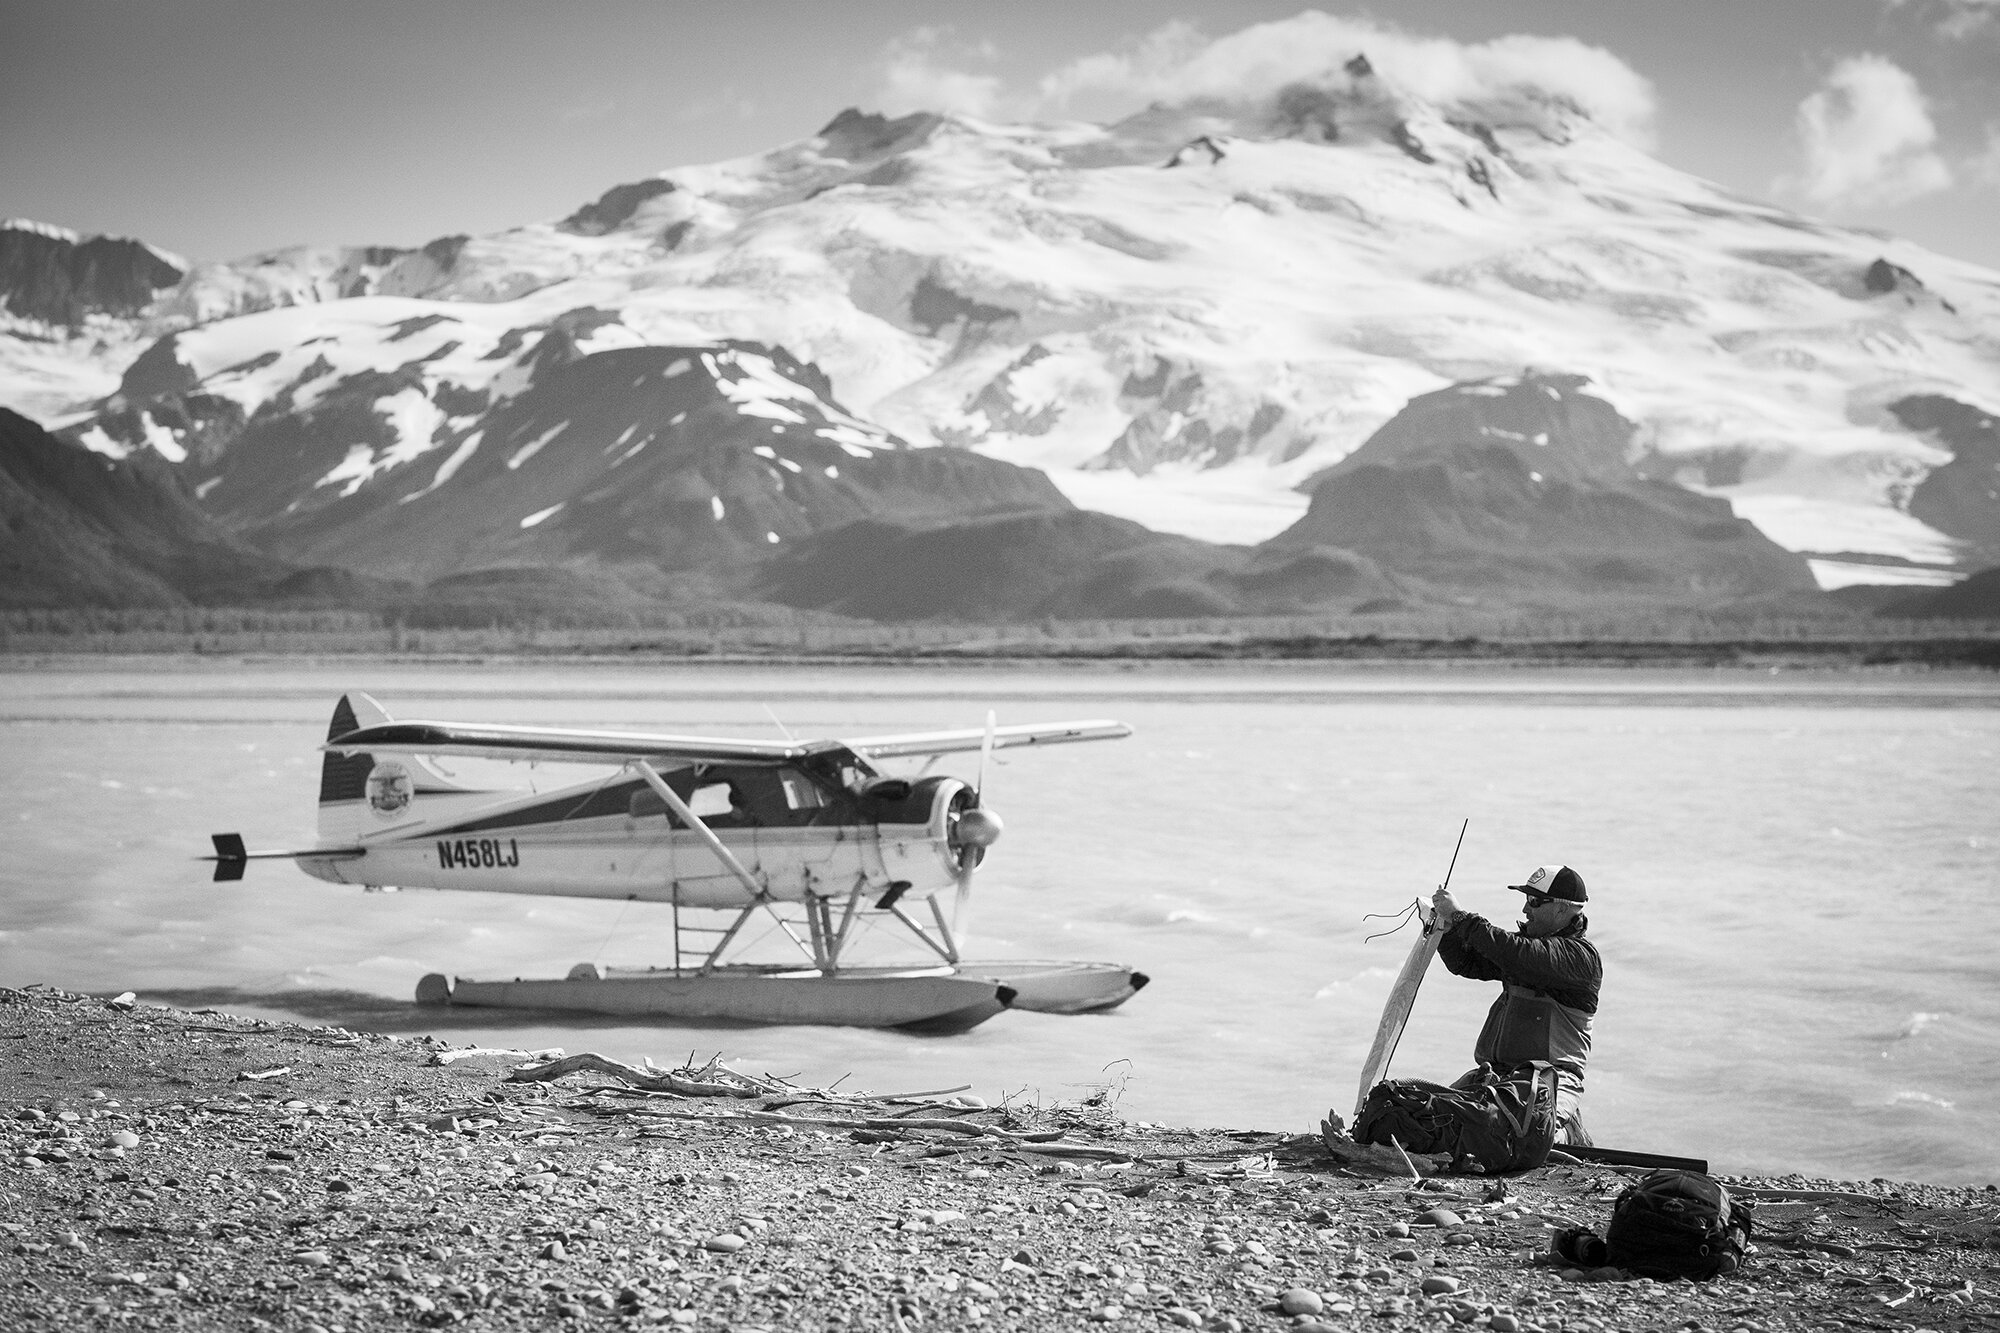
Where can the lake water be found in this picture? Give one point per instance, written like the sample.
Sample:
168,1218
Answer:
1791,878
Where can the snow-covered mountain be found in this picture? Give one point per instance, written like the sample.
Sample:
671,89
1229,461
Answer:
1193,319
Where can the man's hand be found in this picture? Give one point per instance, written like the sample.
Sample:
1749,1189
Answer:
1446,907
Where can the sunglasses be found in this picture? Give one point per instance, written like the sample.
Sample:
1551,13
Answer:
1539,899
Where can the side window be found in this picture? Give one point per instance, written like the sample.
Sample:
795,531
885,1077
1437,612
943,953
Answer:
709,799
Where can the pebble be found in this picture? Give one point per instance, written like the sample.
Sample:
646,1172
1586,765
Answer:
1397,1229
1438,1285
727,1242
124,1138
1182,1317
1504,1323
1440,1217
1299,1300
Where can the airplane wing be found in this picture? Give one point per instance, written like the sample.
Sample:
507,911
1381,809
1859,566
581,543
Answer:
1004,738
555,744
560,745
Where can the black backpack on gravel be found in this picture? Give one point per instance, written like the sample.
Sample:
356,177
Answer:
1677,1224
1501,1124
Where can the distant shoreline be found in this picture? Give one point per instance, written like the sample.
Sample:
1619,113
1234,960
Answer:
1977,650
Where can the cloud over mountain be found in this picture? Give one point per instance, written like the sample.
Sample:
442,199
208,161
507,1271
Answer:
1177,63
1868,138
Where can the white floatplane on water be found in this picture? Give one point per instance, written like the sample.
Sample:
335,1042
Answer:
808,835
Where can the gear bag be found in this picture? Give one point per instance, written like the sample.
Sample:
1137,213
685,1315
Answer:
1677,1224
1500,1124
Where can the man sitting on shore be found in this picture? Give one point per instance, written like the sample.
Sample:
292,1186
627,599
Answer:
1549,974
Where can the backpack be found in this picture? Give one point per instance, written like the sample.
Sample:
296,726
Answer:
1677,1224
1500,1124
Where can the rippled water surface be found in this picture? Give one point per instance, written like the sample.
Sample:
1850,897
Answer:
1791,878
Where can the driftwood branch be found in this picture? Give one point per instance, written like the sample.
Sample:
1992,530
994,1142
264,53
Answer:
658,1081
1813,1196
477,1052
715,1080
885,1125
1381,1159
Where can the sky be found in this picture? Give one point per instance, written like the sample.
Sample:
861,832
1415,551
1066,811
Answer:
216,129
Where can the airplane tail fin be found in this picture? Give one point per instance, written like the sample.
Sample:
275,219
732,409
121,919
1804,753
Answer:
344,777
354,787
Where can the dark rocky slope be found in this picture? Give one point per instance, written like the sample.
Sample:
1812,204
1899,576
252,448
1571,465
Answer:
1521,493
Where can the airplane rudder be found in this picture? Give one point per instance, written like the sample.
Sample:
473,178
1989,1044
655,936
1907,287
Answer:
343,778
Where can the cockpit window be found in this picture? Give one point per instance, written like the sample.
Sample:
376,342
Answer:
801,793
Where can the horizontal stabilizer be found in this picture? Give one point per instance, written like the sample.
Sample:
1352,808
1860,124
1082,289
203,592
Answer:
231,858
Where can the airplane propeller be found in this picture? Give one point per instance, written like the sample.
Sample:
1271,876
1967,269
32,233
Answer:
975,829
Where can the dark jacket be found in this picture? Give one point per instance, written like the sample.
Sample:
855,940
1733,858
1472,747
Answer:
1548,991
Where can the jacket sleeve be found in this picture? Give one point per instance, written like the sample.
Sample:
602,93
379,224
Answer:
1459,956
1563,965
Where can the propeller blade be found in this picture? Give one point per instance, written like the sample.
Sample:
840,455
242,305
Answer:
961,905
973,830
985,753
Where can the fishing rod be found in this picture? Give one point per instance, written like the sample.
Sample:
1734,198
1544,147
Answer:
1402,918
1453,866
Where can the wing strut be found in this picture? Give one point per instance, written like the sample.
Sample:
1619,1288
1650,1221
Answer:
695,822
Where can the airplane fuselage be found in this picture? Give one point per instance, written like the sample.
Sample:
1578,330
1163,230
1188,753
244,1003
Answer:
616,840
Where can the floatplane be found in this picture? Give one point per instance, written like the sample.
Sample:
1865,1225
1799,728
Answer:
727,834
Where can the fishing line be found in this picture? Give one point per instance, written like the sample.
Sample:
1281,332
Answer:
1401,919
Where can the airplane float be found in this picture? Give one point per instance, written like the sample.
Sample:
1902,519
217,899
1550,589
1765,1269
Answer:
809,834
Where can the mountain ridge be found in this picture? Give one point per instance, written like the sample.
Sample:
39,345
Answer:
1196,319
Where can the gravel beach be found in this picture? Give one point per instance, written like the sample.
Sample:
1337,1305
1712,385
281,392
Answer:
192,1169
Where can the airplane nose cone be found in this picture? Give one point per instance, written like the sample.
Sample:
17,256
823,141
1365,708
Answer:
978,827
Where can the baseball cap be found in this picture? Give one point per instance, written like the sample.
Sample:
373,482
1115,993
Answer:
1555,881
